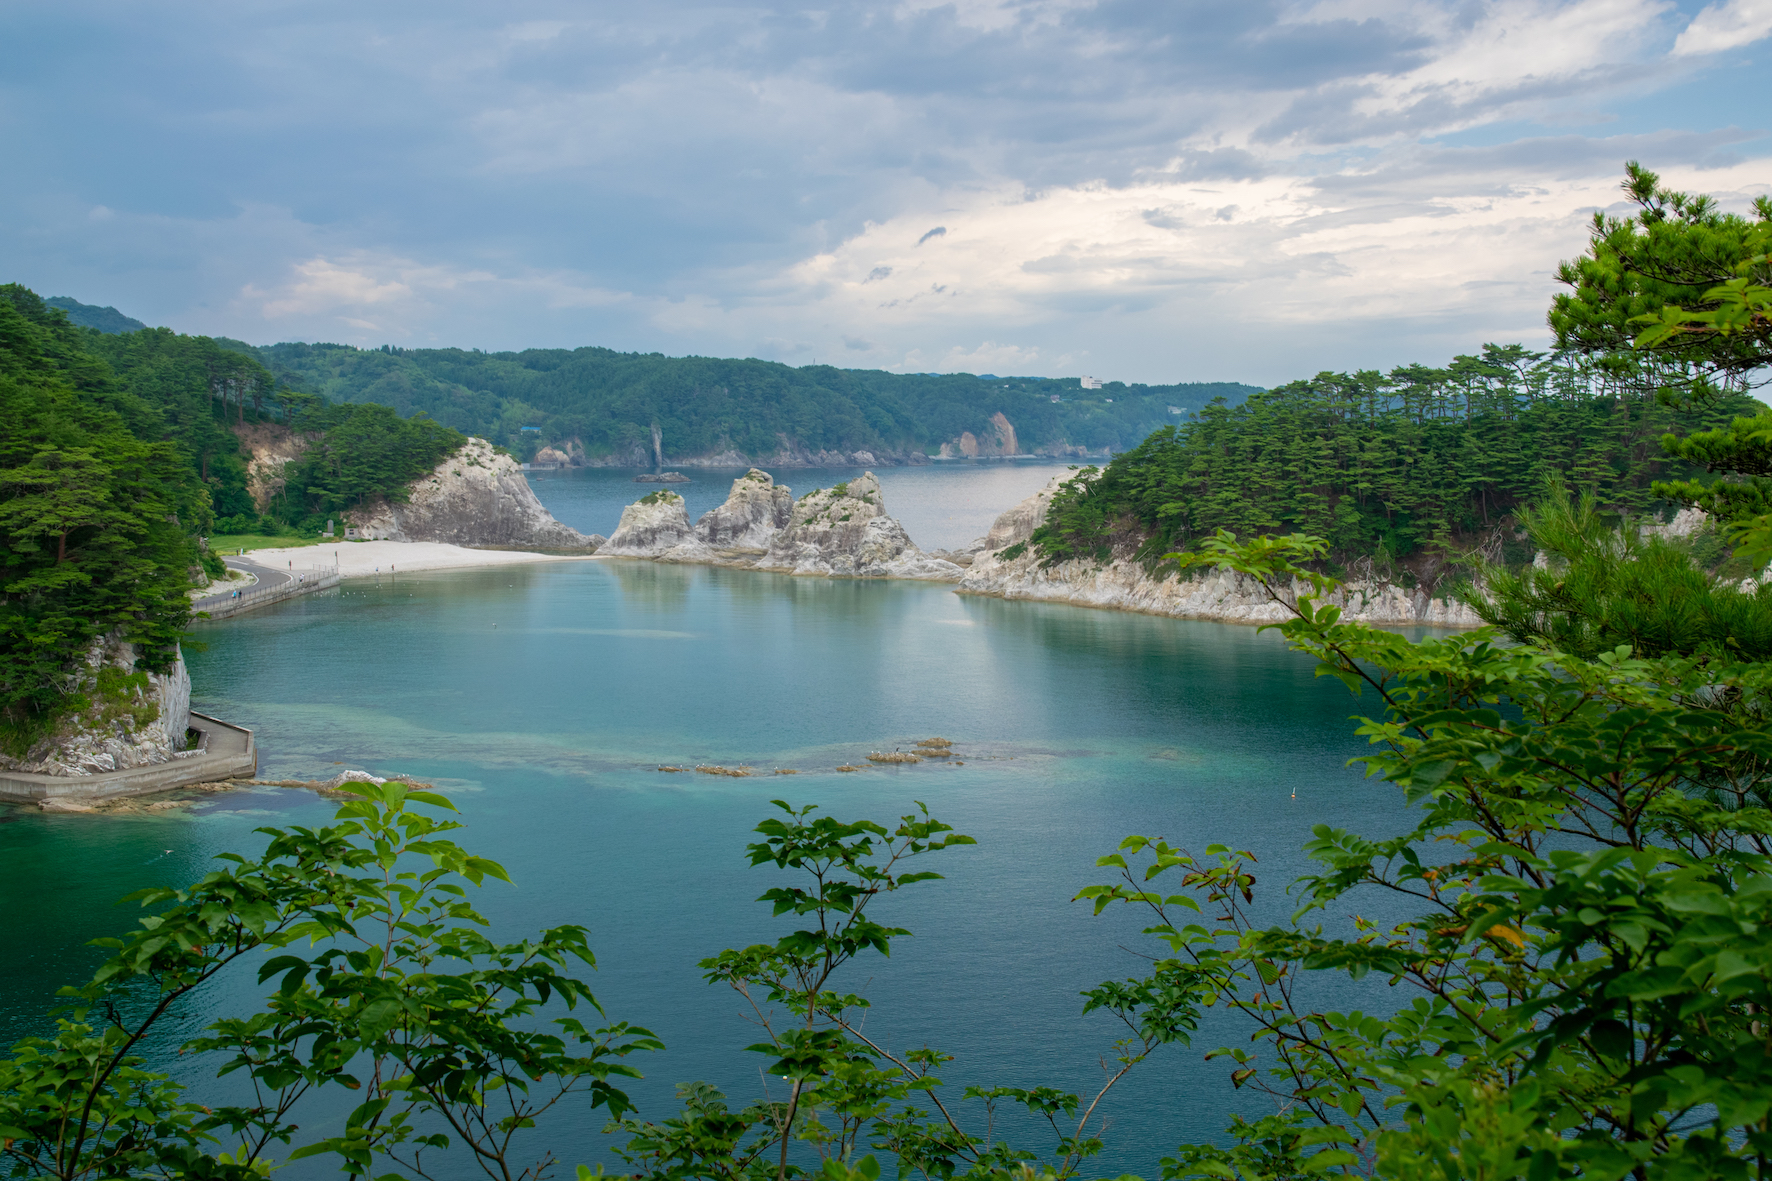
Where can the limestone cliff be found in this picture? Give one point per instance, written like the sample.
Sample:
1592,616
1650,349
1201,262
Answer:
1126,585
755,511
476,496
840,532
651,526
132,719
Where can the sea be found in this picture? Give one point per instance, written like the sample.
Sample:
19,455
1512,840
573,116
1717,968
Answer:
545,699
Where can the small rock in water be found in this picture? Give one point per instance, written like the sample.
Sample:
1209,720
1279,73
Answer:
662,478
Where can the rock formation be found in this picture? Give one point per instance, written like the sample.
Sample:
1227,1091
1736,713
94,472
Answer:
133,719
998,440
840,532
1126,585
755,511
651,526
476,496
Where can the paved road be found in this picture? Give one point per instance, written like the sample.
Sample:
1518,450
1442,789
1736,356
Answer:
268,577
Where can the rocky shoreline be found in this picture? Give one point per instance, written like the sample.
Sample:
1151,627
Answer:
845,532
131,719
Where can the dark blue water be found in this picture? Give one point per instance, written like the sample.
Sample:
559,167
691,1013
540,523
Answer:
543,699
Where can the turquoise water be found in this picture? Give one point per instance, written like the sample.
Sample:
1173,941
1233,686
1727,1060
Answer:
544,698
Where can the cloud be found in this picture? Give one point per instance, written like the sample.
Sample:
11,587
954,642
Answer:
986,357
1250,190
1725,26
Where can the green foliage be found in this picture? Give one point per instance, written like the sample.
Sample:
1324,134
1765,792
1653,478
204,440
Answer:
609,401
1688,288
847,1091
1384,467
386,985
199,391
1679,281
1582,972
1603,587
365,453
90,536
1742,500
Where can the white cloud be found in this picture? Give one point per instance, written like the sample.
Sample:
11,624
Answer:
324,290
1299,260
1725,26
987,357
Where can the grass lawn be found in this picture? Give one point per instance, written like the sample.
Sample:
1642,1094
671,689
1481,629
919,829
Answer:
233,543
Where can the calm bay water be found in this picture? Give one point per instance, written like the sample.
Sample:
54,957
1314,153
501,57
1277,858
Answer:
544,698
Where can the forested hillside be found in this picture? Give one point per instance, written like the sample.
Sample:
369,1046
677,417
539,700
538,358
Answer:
118,452
609,402
208,392
99,512
106,319
1404,466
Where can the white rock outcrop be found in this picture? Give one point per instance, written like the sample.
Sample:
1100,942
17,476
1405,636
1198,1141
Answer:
755,511
1231,598
1017,524
840,532
133,719
651,527
476,496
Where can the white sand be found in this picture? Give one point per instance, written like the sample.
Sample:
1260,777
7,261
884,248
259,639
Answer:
356,558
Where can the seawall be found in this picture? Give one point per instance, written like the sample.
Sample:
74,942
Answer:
228,752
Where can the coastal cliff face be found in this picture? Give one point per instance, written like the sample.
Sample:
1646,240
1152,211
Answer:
1226,597
840,532
133,719
1127,586
474,497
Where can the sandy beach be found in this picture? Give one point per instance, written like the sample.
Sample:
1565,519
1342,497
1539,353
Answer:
357,558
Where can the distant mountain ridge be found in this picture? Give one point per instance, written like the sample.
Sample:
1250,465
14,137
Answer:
91,316
597,406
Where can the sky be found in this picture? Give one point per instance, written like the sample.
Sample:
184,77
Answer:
1139,191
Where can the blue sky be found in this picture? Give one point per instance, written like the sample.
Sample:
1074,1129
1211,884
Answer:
1143,191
